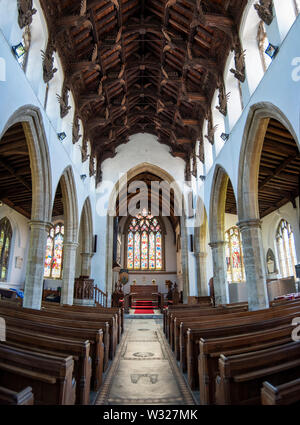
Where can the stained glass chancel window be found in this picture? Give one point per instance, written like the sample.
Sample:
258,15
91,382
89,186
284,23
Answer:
144,243
54,252
234,255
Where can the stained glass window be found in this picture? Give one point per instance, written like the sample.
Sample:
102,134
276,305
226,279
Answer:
54,252
286,249
234,255
5,242
144,243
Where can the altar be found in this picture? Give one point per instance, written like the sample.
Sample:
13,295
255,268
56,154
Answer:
144,292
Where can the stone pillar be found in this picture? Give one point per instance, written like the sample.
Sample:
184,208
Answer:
33,290
201,274
86,263
220,275
67,290
254,262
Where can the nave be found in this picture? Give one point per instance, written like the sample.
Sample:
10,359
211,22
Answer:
222,355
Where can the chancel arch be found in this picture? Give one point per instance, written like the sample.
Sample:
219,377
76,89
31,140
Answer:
148,173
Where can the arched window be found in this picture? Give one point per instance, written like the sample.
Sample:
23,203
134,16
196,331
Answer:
54,252
234,255
286,249
145,243
5,242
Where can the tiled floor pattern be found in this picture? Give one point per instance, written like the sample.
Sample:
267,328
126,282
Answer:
144,370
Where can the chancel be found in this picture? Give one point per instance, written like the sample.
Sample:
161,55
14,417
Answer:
149,203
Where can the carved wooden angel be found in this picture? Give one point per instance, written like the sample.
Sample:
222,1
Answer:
265,10
48,60
75,130
64,102
26,11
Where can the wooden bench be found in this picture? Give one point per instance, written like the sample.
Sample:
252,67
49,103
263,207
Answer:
281,395
20,398
241,376
50,377
43,343
58,328
175,323
70,320
118,312
190,333
65,314
212,348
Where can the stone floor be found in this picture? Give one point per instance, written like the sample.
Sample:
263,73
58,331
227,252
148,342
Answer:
144,370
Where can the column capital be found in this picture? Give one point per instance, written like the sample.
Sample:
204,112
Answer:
70,244
216,244
87,254
200,254
38,224
251,223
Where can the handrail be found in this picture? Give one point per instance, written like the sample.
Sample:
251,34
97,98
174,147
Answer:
100,297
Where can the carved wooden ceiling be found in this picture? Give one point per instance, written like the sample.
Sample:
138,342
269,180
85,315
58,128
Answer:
15,172
139,66
279,172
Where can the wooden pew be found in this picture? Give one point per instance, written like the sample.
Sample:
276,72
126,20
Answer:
66,315
119,312
49,376
281,395
19,398
212,348
241,376
175,323
69,321
43,343
190,336
95,336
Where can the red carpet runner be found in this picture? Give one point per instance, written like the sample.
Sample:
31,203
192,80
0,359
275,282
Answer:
143,307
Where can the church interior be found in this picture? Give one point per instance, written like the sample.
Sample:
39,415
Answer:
149,202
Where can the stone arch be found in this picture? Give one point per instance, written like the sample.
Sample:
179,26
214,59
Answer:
201,243
39,158
70,204
32,121
178,196
249,161
86,238
217,233
248,207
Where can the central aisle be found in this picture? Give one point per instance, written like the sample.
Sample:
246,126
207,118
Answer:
144,370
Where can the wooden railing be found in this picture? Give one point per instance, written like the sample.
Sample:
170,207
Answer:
100,297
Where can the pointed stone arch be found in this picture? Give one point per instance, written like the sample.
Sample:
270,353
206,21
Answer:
178,198
39,158
201,243
248,206
86,233
71,224
217,233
